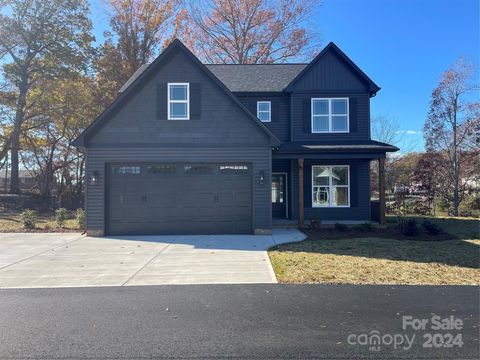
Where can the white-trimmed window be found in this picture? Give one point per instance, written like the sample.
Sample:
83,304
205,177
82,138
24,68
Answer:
178,101
264,111
331,186
330,115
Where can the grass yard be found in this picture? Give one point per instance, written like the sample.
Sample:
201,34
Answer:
383,256
10,221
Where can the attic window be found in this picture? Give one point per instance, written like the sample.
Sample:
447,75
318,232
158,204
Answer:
178,101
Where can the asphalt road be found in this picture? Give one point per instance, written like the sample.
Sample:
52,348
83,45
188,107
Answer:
234,321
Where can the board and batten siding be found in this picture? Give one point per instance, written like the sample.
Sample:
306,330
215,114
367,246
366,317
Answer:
98,158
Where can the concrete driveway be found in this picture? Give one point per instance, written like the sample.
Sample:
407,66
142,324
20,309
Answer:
71,260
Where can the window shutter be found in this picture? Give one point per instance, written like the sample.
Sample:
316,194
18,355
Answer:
195,101
162,102
352,104
307,118
353,185
275,111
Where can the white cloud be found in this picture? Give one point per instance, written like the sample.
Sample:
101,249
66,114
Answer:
409,132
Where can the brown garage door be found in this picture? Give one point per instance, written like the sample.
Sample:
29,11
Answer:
179,198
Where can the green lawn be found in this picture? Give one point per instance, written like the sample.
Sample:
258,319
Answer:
383,256
10,221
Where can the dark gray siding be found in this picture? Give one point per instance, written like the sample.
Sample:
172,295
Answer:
97,158
280,124
359,112
359,188
143,118
330,73
285,166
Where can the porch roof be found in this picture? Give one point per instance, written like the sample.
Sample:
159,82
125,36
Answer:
359,149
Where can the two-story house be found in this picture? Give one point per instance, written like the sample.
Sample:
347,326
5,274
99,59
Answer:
189,148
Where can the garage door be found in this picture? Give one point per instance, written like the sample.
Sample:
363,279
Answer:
179,198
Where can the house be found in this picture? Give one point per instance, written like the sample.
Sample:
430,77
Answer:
189,148
27,179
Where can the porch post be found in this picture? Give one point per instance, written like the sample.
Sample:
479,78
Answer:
381,189
301,216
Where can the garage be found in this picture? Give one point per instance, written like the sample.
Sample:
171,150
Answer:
179,198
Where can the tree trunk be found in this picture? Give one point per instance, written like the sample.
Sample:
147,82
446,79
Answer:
19,117
456,172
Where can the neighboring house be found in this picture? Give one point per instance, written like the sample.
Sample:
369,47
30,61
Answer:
189,148
27,179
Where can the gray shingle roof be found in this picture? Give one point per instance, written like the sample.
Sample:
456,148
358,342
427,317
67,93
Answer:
260,78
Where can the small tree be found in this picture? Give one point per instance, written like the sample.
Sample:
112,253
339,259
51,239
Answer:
451,129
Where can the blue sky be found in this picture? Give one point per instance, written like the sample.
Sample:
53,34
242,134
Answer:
403,45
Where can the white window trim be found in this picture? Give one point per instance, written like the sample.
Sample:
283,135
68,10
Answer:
330,187
330,122
178,102
263,111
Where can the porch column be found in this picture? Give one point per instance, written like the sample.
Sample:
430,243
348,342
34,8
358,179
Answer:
381,189
301,216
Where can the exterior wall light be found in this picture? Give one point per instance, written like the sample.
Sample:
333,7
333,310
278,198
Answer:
261,177
94,178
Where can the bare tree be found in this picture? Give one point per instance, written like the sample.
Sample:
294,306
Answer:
250,31
451,128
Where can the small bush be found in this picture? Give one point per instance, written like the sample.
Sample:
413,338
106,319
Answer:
365,227
61,216
431,228
408,227
29,219
340,227
80,217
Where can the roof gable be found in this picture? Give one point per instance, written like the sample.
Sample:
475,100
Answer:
334,52
143,77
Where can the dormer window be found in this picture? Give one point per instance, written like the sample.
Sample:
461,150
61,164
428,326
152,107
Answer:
330,115
264,111
178,101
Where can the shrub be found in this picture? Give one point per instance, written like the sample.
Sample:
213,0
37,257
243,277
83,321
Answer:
315,224
365,227
408,227
340,227
431,228
61,216
29,219
80,217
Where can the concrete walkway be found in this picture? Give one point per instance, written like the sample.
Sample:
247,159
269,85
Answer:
72,260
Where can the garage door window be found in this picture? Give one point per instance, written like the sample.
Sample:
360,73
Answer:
198,169
126,170
233,169
162,169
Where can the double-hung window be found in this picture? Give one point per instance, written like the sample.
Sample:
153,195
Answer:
264,111
178,101
331,186
329,115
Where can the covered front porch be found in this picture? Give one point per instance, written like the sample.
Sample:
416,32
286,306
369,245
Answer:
327,183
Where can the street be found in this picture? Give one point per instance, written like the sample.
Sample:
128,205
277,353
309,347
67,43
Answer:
235,321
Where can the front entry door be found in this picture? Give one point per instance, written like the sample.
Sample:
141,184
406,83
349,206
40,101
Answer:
279,195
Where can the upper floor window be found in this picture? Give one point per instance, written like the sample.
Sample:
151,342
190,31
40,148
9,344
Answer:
264,111
178,101
329,115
